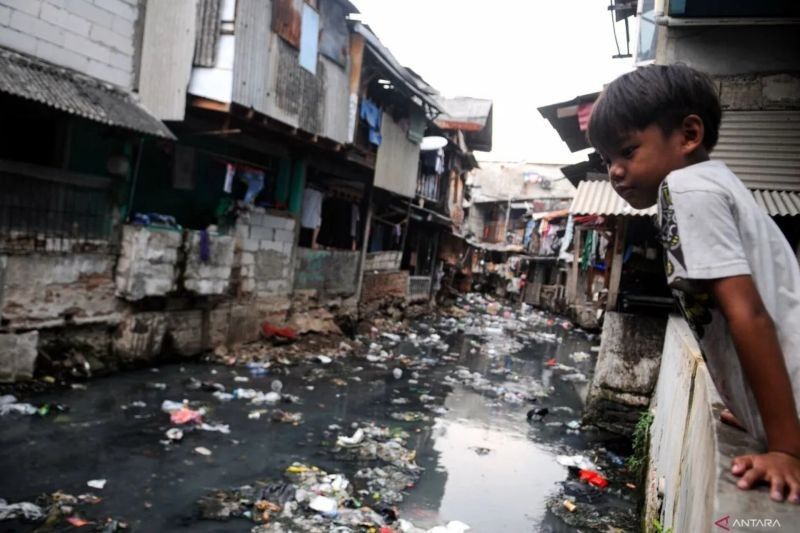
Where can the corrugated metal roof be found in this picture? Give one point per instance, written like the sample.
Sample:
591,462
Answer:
75,93
779,203
472,111
599,198
762,148
470,115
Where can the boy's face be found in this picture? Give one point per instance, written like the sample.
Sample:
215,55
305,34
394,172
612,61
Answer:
641,161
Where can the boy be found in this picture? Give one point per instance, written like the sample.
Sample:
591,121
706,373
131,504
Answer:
735,277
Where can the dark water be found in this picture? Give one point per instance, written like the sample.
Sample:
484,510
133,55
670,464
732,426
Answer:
154,487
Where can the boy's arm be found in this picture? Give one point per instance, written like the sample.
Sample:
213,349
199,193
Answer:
760,355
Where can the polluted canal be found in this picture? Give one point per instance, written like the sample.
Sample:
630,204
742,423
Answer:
466,419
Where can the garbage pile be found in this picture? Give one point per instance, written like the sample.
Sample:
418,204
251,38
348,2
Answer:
312,500
60,510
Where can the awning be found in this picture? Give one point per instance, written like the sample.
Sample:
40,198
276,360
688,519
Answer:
779,203
550,215
599,198
76,94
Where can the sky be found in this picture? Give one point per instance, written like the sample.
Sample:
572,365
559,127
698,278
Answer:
522,54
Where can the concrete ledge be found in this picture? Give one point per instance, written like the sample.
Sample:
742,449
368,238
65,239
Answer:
689,484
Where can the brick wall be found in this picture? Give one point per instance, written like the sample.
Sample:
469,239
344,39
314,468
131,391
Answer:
95,37
265,243
378,285
383,261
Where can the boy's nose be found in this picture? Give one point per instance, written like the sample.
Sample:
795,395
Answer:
616,172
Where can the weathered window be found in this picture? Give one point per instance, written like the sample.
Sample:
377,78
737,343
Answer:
334,40
309,39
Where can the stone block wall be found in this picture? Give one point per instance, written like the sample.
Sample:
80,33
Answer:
211,277
379,285
92,37
148,262
265,245
382,261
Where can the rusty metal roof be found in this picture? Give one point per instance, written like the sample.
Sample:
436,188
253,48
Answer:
599,198
779,203
69,91
473,116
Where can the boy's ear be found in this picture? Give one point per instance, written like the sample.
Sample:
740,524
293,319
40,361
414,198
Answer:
693,131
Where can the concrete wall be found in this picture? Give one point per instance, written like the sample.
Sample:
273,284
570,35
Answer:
731,50
50,290
93,37
626,371
265,246
148,262
331,272
383,261
379,285
211,277
760,92
689,484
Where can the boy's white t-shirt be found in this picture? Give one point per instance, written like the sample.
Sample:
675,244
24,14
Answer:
711,227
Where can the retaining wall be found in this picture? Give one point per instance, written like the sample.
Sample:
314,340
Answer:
689,484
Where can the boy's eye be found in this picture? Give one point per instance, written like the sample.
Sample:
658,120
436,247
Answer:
628,151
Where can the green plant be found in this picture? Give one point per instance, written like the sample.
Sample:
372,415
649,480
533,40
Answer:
658,527
641,443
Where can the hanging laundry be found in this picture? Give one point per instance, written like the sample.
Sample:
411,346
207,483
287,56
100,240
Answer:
255,183
230,172
311,217
205,246
355,218
372,115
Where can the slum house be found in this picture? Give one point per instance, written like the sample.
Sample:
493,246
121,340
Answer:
209,249
759,88
71,131
512,221
615,260
396,106
438,194
442,202
258,135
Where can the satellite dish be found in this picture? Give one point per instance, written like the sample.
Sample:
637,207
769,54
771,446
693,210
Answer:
432,143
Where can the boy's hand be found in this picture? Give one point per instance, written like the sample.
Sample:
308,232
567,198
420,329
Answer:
780,470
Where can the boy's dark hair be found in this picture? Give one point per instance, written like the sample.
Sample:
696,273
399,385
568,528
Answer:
657,94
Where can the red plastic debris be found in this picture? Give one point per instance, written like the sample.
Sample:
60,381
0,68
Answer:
551,362
184,415
77,522
268,330
593,478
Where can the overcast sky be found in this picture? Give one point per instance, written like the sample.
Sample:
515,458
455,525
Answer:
522,54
